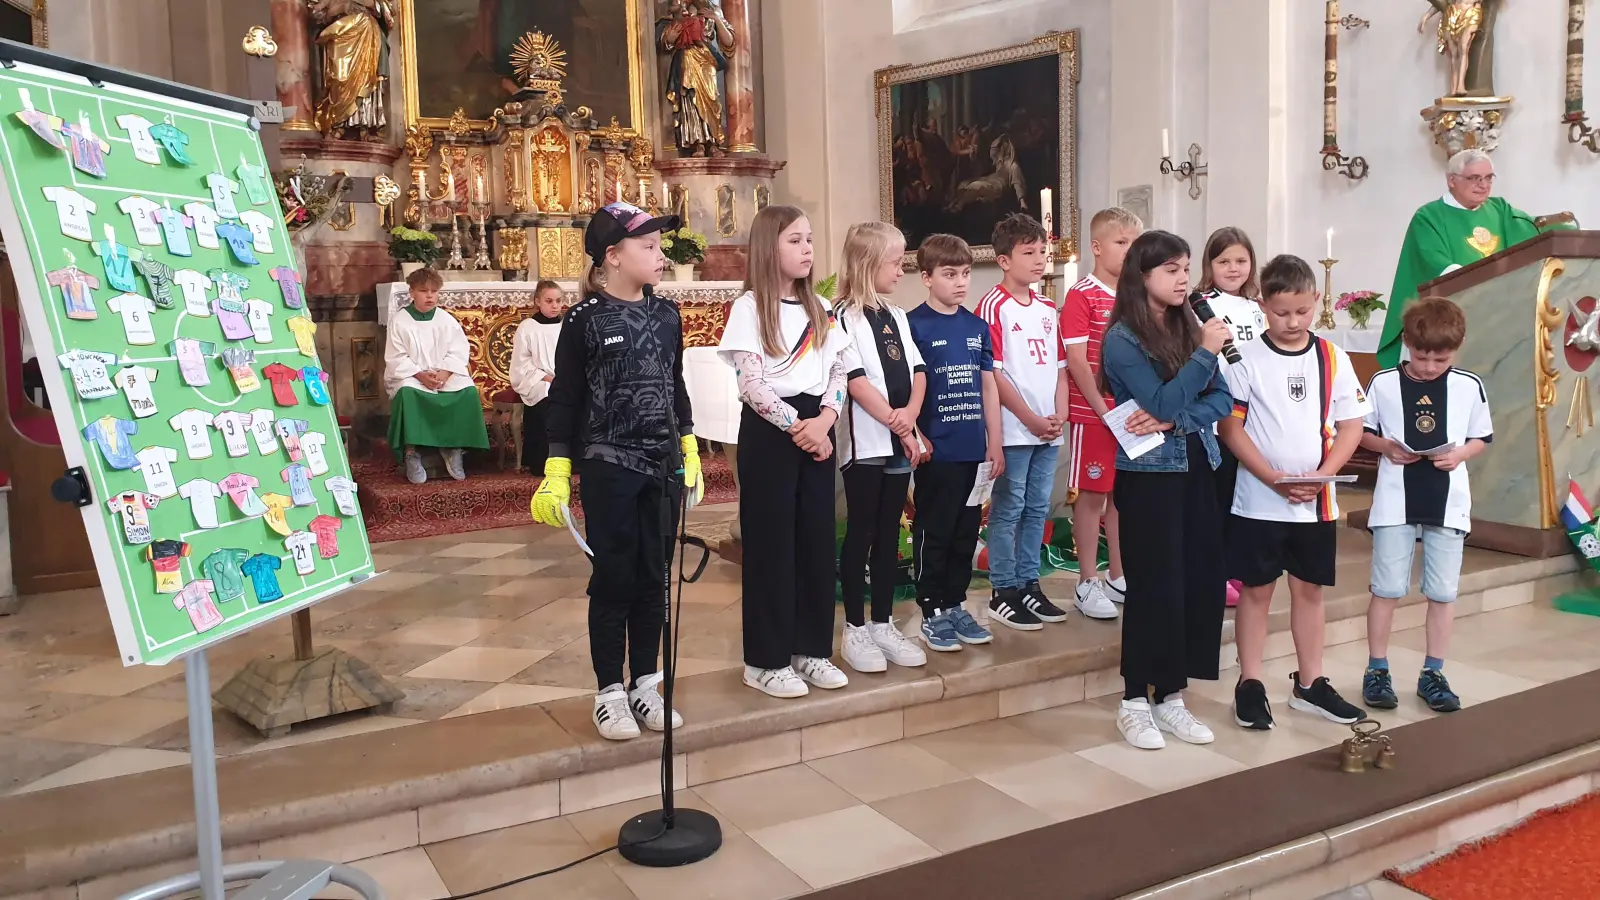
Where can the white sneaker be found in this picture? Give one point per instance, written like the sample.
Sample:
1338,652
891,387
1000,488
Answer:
896,647
649,707
860,651
454,465
1117,593
1138,726
1092,600
1174,718
820,672
611,716
415,473
782,683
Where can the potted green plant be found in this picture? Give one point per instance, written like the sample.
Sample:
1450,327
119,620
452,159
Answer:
683,248
1360,305
413,249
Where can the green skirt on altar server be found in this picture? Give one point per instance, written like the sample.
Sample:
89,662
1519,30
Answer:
442,421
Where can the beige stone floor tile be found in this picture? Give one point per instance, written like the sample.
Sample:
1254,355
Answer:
719,763
959,815
1067,786
774,797
1253,748
331,728
506,696
607,787
113,723
493,664
505,606
1074,727
25,709
112,679
404,875
569,667
599,826
110,764
1178,765
830,738
389,582
740,870
350,841
507,566
1383,889
476,550
890,770
25,760
483,860
843,845
445,631
1542,660
434,698
688,666
986,746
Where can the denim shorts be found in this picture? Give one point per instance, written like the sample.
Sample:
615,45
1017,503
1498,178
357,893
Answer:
1393,547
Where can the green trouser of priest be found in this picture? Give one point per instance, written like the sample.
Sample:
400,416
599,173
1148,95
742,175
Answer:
433,402
1458,229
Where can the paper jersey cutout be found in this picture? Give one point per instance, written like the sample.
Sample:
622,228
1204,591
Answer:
164,557
45,127
117,259
282,378
195,426
222,190
145,149
256,187
195,599
263,571
155,464
146,230
230,315
222,568
240,243
316,460
202,496
205,224
241,489
72,211
88,149
305,335
344,494
316,385
75,285
158,275
277,507
175,225
300,544
259,314
261,429
235,428
298,477
230,285
135,311
289,431
134,381
192,355
260,230
239,360
326,528
289,283
89,376
110,434
174,142
134,507
194,286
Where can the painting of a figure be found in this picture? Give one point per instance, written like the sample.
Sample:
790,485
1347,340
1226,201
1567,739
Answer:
968,146
463,50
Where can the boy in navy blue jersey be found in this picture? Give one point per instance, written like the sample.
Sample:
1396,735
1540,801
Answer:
960,421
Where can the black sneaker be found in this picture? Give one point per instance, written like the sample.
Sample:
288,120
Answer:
1007,608
1037,603
1435,691
1250,707
1377,689
1323,700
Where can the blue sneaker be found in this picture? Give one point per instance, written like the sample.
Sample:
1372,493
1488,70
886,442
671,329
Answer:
1377,690
939,633
967,628
1435,691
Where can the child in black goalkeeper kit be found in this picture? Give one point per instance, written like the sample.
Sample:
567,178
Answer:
619,399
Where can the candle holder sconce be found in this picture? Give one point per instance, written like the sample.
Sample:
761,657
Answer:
1351,23
1579,132
1191,170
1354,168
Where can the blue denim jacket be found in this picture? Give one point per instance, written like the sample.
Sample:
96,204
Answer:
1193,400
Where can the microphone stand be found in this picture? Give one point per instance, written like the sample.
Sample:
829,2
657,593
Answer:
669,836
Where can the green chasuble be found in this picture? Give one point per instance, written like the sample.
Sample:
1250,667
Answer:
1444,234
420,418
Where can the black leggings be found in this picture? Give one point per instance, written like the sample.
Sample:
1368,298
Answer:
874,502
1177,586
632,545
535,436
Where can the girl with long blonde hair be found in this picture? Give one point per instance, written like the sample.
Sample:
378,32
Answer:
786,351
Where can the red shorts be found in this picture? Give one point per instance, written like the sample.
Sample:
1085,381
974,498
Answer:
1094,457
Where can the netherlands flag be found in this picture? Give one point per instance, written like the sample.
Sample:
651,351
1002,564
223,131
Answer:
1575,513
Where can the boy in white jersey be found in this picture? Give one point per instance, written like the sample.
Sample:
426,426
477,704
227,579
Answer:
1031,370
1423,407
1298,411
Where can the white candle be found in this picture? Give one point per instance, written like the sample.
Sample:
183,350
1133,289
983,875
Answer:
481,194
1046,209
643,188
449,183
1166,144
1330,244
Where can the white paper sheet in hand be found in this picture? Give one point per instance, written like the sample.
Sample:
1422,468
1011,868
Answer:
1431,452
1133,445
1317,479
572,527
983,485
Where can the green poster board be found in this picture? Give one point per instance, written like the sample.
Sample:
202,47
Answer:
200,443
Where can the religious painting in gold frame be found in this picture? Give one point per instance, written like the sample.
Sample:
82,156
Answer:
456,54
964,142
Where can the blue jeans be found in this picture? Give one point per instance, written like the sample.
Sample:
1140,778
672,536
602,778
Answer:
1394,546
1017,510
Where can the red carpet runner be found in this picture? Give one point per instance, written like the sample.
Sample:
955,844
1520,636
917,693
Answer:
397,510
1552,856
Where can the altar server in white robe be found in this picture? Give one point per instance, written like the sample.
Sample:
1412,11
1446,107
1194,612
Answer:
433,402
533,368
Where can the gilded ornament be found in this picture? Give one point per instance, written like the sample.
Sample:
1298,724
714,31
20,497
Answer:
539,62
513,249
614,133
355,74
551,164
641,154
384,190
1546,317
459,126
583,113
572,255
419,143
581,140
258,42
550,252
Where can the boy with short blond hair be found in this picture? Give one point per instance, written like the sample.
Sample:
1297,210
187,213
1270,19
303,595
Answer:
960,421
1298,412
1032,386
1419,409
1092,469
434,403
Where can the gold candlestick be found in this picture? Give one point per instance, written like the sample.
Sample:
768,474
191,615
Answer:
1325,321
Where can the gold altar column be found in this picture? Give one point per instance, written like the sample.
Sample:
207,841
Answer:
741,80
292,31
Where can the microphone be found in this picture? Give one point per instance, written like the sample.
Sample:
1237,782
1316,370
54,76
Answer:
1202,311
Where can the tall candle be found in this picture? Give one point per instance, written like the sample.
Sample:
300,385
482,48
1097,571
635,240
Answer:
481,195
1166,144
1046,209
1330,244
644,187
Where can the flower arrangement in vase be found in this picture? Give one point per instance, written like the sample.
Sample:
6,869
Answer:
413,249
683,248
1360,305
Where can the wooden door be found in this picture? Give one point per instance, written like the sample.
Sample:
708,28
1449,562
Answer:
49,548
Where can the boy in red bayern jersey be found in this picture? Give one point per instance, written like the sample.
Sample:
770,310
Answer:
1084,315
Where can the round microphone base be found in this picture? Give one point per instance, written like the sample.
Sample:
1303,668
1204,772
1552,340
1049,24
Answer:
694,835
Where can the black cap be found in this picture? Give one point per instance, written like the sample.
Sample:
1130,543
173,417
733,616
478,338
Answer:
617,221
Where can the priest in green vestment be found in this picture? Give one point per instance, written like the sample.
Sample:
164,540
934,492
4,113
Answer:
434,402
1460,228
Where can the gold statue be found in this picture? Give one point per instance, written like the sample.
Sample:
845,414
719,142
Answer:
539,61
548,150
699,40
355,65
1465,31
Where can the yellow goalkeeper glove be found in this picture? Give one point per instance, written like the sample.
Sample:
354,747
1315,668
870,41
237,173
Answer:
554,493
694,481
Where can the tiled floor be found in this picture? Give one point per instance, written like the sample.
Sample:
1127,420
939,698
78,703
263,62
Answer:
834,819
